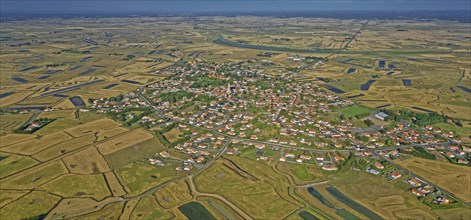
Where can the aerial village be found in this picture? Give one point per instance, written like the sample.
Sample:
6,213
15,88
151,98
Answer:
236,109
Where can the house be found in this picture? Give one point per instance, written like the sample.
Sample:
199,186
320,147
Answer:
330,168
282,159
164,154
263,158
417,192
199,159
414,182
381,115
379,165
305,157
395,175
373,171
290,155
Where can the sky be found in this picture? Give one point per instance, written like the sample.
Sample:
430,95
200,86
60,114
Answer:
128,6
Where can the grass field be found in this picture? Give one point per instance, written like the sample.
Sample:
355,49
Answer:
355,111
8,196
454,178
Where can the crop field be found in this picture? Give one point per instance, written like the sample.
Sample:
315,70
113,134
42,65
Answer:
64,147
123,141
88,161
230,182
33,146
92,127
451,177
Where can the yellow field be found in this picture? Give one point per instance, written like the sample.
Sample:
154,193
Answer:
92,127
88,161
14,138
451,177
123,141
33,146
64,147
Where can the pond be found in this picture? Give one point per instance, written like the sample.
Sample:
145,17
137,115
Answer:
196,211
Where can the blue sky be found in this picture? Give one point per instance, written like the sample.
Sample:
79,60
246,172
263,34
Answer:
225,5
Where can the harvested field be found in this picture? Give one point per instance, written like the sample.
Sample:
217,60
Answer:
14,138
104,134
88,161
33,146
64,147
123,141
92,127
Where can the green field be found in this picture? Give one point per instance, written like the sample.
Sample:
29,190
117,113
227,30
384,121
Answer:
355,110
